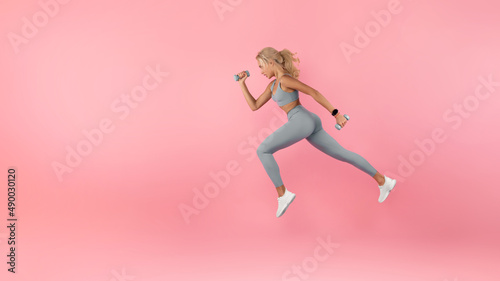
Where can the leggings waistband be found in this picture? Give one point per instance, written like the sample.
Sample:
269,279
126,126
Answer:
295,110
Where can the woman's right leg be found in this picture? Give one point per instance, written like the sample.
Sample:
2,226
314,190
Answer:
299,126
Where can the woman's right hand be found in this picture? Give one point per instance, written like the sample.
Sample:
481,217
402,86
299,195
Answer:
243,76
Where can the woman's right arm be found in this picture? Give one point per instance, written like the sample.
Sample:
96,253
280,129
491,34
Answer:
255,104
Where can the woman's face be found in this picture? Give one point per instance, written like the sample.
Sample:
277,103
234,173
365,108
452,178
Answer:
266,70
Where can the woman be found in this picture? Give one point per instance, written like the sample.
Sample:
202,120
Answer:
301,123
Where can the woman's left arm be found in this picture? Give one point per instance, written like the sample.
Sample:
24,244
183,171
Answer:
293,83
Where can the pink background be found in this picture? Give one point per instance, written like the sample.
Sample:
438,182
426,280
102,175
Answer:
117,215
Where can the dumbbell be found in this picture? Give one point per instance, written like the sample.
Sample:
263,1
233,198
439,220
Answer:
236,77
338,126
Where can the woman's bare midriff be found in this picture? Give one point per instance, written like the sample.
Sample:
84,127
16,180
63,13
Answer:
289,106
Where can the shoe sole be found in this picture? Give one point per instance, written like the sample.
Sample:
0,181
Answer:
389,191
284,210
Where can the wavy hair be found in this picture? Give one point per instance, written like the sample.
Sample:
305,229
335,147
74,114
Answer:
284,58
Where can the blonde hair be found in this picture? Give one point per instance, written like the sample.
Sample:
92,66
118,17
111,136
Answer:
283,58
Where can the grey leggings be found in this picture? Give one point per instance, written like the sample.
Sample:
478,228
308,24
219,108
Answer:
305,124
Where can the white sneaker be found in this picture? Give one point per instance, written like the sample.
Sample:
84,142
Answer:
386,188
284,201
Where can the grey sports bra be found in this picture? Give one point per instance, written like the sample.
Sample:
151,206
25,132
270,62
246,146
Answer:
281,97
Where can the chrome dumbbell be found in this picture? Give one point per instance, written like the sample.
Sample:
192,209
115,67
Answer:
236,77
338,126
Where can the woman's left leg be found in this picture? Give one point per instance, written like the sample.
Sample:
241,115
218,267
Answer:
324,142
328,145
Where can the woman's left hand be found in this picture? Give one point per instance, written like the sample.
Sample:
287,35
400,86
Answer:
341,120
